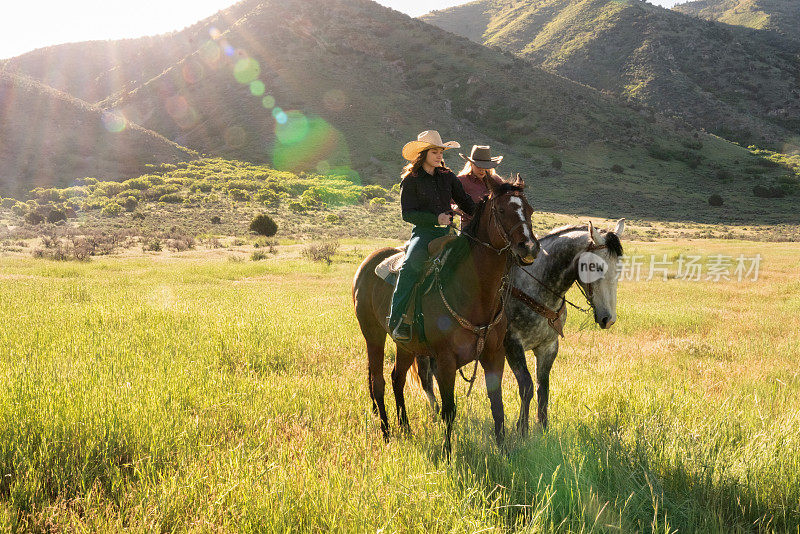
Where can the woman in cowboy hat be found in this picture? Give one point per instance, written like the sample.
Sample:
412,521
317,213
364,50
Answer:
479,168
426,189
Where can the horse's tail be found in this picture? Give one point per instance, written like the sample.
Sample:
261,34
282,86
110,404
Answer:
413,374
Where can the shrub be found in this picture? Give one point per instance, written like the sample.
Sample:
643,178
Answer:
723,175
216,219
373,191
7,203
332,218
171,198
130,203
138,216
33,218
258,255
20,208
85,181
768,192
268,197
377,203
201,185
111,209
617,169
56,216
239,195
297,207
556,163
140,183
715,200
323,251
161,190
264,225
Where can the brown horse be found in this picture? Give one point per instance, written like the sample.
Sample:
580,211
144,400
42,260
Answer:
463,310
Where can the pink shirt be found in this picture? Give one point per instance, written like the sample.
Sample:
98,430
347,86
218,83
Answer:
476,189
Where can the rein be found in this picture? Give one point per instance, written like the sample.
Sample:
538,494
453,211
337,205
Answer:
587,292
481,332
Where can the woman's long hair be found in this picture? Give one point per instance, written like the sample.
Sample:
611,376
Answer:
414,167
468,169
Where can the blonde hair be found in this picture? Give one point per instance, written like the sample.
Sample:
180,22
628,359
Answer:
468,169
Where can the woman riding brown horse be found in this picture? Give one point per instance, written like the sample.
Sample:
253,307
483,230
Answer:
463,310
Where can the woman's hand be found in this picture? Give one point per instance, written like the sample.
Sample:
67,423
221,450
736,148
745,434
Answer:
445,219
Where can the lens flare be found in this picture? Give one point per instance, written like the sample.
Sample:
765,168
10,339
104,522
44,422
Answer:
323,167
257,88
192,72
181,112
319,147
246,70
114,121
293,130
210,53
268,101
228,49
214,33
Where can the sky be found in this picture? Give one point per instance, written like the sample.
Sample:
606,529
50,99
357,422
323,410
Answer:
31,24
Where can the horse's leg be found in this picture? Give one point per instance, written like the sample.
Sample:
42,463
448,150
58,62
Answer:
425,372
515,355
446,377
401,366
493,364
377,384
545,356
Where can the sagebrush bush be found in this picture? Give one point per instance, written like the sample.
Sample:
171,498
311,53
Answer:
264,225
111,209
171,198
323,251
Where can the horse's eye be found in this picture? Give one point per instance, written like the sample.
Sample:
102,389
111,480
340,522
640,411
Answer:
501,210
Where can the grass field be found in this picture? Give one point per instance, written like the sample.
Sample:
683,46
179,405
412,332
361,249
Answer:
200,392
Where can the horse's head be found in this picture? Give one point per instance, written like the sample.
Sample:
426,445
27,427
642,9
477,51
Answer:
597,272
510,220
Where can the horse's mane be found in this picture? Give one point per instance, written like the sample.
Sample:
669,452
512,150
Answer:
459,248
612,240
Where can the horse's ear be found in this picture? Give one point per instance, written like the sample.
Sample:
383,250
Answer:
519,182
594,235
620,227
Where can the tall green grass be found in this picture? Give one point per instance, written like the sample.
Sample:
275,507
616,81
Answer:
190,393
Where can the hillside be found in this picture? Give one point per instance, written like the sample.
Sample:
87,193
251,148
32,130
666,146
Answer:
337,87
782,16
739,83
96,70
49,138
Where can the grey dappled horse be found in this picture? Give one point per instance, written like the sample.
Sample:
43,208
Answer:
545,283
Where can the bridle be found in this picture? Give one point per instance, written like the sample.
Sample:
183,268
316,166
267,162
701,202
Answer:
494,223
482,331
586,290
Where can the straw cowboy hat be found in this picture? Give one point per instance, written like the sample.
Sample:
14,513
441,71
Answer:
481,156
426,140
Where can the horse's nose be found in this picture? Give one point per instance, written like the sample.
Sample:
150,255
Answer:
531,250
606,322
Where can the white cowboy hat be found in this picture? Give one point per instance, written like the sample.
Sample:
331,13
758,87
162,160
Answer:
426,140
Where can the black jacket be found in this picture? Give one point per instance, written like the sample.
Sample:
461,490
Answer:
423,197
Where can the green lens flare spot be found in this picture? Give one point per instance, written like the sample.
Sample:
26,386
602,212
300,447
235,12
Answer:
246,70
268,101
257,88
293,129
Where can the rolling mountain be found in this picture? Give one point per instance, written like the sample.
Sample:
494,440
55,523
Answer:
782,16
739,83
48,138
338,86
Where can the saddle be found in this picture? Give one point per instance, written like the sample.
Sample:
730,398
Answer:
388,271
